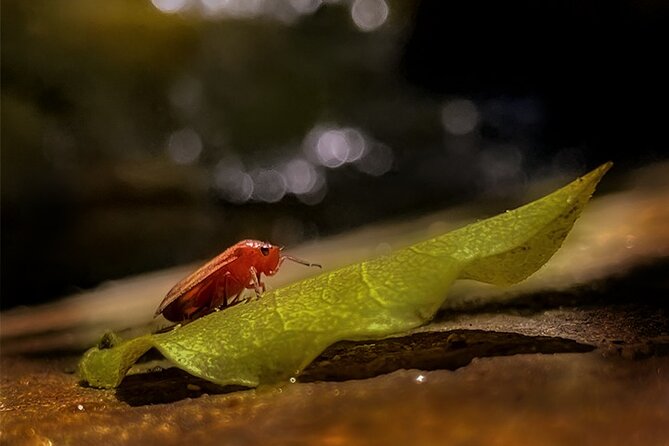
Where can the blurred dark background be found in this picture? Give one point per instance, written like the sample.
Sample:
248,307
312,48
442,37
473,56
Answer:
141,134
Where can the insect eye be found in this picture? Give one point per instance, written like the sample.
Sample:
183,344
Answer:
264,250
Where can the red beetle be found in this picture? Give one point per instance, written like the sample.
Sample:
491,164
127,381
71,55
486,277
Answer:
220,282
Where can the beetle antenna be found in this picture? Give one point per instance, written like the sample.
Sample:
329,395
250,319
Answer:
300,261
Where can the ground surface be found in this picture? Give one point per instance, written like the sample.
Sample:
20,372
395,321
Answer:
597,386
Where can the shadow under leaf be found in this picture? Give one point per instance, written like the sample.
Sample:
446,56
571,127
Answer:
347,360
448,350
644,286
167,386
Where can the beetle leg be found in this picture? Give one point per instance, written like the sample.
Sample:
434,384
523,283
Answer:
222,293
220,299
237,297
260,283
197,314
257,284
231,299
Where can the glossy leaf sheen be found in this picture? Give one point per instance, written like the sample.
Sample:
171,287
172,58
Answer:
275,337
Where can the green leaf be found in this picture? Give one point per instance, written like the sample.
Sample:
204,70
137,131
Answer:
275,337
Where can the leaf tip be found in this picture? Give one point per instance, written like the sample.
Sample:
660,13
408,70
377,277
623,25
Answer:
597,173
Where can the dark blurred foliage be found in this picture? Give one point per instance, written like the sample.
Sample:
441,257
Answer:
135,137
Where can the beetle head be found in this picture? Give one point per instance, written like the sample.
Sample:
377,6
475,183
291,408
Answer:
269,259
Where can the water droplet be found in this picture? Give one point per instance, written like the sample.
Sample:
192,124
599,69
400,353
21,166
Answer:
630,241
